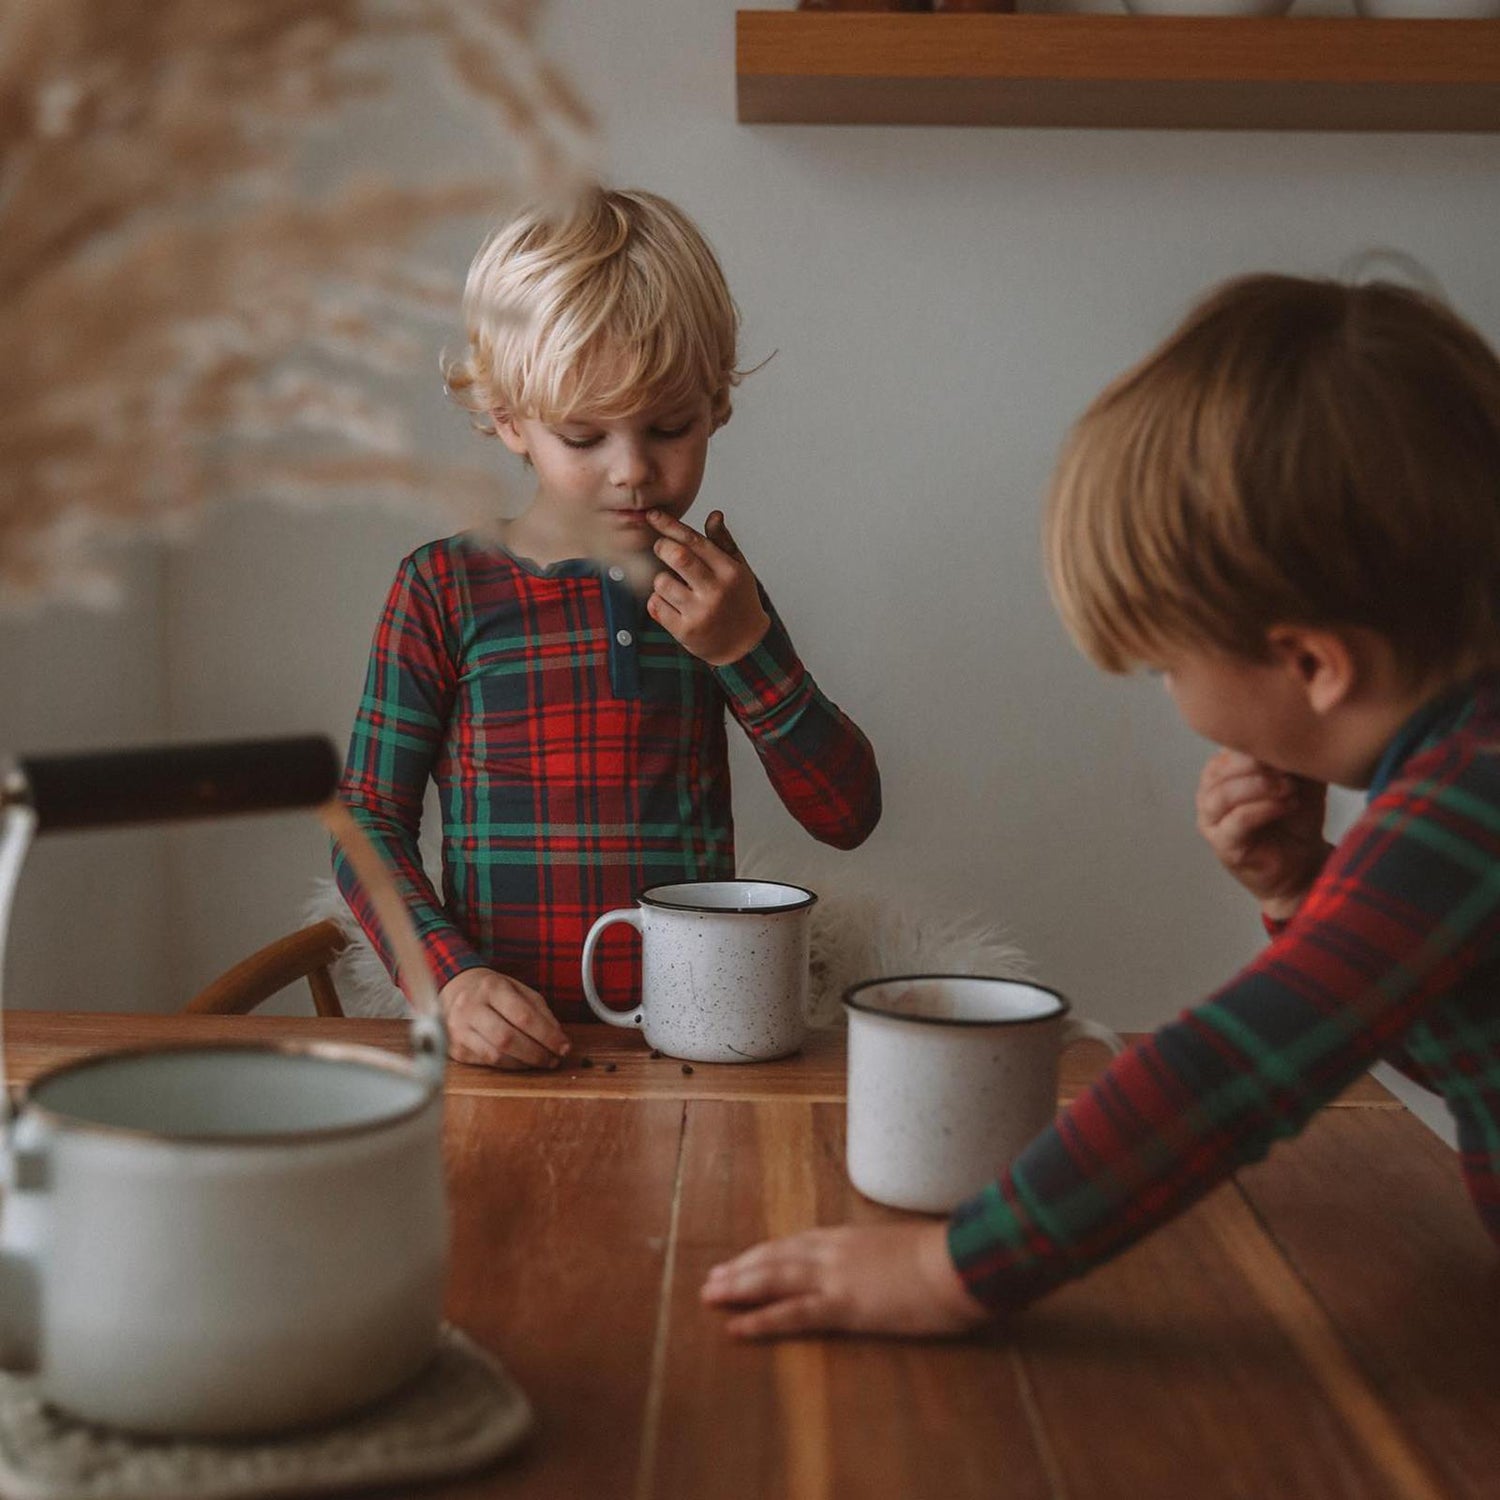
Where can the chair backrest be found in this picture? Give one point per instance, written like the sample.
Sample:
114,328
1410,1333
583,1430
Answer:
304,954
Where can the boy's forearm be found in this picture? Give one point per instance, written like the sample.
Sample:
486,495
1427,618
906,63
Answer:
1214,1090
820,763
448,951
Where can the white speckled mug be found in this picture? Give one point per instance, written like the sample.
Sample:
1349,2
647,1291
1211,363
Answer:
723,969
950,1076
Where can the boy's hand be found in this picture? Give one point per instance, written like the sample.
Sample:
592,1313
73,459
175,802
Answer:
881,1278
709,601
499,1022
1266,828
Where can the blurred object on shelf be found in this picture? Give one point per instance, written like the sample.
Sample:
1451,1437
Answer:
864,5
1208,7
1428,10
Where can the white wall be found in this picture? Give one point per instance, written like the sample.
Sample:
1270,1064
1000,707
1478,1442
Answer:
942,303
93,911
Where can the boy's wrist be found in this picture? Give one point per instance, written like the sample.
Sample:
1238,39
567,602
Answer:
1278,910
737,652
1284,905
942,1279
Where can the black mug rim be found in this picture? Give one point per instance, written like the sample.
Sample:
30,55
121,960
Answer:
646,897
1064,1005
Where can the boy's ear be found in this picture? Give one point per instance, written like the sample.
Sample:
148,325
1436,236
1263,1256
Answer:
508,433
1323,663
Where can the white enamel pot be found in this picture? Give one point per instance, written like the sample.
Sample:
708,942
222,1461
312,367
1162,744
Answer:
226,1239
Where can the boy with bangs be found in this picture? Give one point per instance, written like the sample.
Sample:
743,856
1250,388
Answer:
1292,511
566,688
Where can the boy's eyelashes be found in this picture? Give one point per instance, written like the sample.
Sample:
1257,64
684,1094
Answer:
664,433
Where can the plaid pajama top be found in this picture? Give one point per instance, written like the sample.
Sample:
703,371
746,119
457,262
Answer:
1394,953
579,755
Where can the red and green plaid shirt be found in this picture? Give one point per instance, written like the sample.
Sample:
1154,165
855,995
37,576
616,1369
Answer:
579,755
1395,954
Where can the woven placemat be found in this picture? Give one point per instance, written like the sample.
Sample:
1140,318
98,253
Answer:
461,1412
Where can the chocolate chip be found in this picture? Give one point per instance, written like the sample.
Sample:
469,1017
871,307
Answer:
609,1067
585,1062
687,1067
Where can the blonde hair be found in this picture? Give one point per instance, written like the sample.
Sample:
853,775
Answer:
1298,452
606,303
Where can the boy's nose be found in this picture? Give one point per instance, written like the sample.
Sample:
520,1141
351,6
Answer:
630,469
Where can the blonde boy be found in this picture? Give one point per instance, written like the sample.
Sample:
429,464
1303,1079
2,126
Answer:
1292,510
574,725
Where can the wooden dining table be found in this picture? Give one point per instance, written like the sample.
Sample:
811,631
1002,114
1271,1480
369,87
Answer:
1324,1325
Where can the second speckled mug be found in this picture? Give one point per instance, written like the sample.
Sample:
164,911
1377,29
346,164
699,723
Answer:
723,969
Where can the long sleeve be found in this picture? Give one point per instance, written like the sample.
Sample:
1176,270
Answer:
1396,942
821,765
398,733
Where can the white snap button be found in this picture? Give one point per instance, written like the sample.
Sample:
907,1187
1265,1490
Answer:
618,574
624,637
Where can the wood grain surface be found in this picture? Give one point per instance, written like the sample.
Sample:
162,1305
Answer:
1325,1326
1370,1212
37,1040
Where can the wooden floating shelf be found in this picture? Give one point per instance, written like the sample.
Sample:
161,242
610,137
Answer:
1183,72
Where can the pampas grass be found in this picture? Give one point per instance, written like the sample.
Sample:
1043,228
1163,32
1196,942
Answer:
172,309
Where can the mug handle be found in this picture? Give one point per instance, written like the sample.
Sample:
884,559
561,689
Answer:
1076,1029
632,918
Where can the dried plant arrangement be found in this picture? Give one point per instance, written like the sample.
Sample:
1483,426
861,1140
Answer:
172,308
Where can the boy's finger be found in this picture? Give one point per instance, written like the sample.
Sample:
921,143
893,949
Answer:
665,613
809,1313
527,1012
1223,797
686,563
670,587
704,548
1250,818
670,526
764,1273
467,1046
509,1041
1227,764
718,533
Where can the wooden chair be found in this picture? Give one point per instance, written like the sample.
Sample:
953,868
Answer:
304,954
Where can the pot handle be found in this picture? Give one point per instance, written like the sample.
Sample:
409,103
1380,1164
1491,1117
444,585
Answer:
429,1045
17,828
169,783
